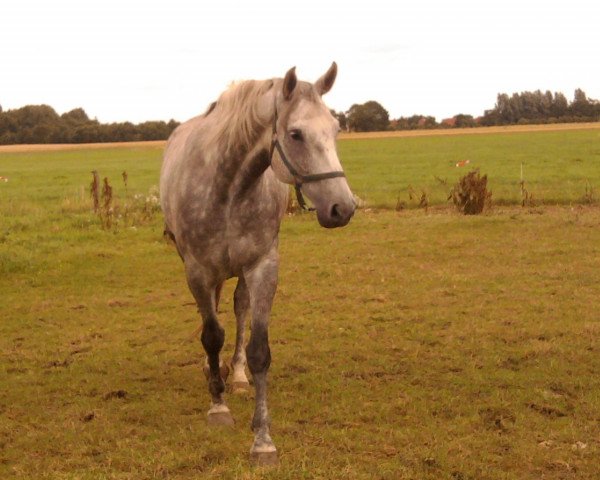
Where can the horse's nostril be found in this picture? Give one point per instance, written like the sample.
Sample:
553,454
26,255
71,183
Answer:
335,213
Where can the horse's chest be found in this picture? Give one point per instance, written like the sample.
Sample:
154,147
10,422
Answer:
246,247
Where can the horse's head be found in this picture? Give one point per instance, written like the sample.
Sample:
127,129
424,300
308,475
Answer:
305,150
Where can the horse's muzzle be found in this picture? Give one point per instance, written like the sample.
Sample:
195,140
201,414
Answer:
336,214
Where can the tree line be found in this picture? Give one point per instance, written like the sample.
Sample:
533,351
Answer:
538,107
41,124
518,109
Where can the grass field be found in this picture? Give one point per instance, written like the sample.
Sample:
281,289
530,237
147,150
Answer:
557,166
449,347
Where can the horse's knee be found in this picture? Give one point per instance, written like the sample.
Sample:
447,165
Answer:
258,353
212,337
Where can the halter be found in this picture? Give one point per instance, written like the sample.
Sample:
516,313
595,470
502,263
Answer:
299,179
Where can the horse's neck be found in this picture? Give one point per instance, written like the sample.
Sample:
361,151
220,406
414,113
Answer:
251,164
244,155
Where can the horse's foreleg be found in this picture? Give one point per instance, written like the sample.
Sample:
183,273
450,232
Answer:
241,303
262,283
223,368
212,338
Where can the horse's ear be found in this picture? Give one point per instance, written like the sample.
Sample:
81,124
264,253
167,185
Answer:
289,83
324,84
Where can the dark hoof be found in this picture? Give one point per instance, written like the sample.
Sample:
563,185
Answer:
240,388
221,417
264,459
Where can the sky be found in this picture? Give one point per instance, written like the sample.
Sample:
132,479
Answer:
156,60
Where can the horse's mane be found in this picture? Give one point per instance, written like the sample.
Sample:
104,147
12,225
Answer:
236,123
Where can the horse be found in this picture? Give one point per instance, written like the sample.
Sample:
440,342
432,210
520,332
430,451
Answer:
224,187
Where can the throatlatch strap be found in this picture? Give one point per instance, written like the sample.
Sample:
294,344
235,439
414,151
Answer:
300,199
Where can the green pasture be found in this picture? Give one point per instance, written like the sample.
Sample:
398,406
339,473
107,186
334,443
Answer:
408,345
557,166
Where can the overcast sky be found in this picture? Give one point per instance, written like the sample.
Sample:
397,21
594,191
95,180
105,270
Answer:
148,60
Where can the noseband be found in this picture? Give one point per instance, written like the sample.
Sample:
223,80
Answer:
299,179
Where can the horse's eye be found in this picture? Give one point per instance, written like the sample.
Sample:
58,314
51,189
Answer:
296,135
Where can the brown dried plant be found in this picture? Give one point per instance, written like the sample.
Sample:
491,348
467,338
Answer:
95,190
107,211
470,195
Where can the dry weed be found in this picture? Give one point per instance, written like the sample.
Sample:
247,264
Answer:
470,195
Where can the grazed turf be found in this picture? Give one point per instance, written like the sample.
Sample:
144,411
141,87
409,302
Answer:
408,345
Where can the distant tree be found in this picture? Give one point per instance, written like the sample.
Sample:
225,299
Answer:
341,118
560,105
464,121
414,122
504,109
153,130
581,105
538,107
531,104
490,118
516,105
61,134
75,116
33,115
368,117
41,124
30,124
173,124
547,103
427,122
7,138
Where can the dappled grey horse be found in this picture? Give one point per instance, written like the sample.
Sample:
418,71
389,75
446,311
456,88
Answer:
224,191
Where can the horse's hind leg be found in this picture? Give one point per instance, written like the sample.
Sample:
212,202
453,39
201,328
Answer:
241,304
218,296
212,338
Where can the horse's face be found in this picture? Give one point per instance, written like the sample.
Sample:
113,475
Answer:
307,133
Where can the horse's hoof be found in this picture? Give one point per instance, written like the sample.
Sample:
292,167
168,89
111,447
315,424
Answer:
220,415
240,388
265,459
